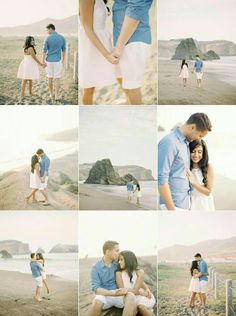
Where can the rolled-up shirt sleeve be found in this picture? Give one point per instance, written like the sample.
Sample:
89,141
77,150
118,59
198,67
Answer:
137,9
166,155
95,280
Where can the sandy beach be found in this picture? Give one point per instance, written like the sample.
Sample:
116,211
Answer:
17,296
149,264
91,198
170,89
62,187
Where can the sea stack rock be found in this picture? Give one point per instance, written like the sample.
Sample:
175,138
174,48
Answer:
5,254
210,55
104,173
187,49
61,248
14,247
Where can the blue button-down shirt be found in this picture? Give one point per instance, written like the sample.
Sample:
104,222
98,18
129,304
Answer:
203,268
103,276
137,10
173,163
44,165
54,45
35,269
198,65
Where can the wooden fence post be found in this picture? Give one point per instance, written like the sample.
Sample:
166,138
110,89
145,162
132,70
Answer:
67,56
209,272
75,68
216,292
229,298
212,278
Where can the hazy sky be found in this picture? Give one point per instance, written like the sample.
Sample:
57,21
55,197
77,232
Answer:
192,227
203,20
126,135
14,13
40,229
135,231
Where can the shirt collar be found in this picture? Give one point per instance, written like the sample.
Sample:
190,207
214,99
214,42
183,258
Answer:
103,265
180,136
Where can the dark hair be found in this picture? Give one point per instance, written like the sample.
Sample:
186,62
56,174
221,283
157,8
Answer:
28,44
51,26
138,186
204,162
197,56
197,255
39,151
105,1
40,256
34,160
131,262
109,245
194,266
32,255
201,120
183,63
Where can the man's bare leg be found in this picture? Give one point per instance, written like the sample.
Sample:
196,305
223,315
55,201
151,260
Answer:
96,309
130,308
119,80
57,88
88,96
50,87
135,96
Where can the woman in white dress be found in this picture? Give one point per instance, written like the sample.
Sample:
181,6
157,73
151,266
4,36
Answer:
96,65
35,179
129,276
194,286
138,193
28,69
201,177
184,72
41,261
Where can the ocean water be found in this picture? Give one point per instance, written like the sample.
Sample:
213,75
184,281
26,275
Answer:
148,191
64,265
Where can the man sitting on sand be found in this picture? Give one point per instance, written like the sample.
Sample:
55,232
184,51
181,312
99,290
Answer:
198,70
44,172
36,269
107,294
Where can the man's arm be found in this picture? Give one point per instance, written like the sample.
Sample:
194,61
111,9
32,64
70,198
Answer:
63,50
45,50
165,193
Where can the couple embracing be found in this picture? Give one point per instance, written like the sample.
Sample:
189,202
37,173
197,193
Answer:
103,62
185,177
117,281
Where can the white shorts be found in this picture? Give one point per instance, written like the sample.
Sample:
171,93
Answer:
110,301
39,281
44,184
203,286
54,69
132,64
199,75
129,193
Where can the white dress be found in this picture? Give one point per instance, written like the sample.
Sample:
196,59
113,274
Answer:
200,201
35,181
194,285
28,69
94,69
43,274
140,299
184,72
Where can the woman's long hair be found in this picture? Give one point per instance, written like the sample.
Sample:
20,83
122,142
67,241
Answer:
40,257
105,1
28,44
34,160
131,263
194,266
204,162
138,186
183,63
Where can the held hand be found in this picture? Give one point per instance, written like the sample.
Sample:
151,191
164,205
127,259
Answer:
117,52
112,59
191,177
121,292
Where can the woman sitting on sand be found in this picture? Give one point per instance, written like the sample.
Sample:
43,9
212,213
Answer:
129,276
97,67
184,72
35,180
28,69
200,177
41,261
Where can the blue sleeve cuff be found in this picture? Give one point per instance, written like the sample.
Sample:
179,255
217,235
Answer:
135,13
162,180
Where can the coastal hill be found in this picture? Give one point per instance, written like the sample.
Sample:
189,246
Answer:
140,173
14,247
61,248
68,27
210,249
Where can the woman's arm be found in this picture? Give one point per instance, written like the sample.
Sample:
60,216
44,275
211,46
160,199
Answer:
139,282
86,8
37,169
119,280
206,190
32,53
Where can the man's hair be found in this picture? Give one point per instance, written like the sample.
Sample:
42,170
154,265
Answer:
32,255
197,56
39,151
109,245
50,26
201,120
197,255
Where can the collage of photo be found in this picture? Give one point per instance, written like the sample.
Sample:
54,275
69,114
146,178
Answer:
117,174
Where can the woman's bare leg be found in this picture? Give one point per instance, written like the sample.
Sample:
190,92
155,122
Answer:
119,80
88,96
23,86
31,87
46,285
32,194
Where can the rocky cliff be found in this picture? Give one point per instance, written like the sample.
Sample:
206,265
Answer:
14,247
61,248
187,49
210,55
5,255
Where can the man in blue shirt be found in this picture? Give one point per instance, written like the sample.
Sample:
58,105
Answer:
54,49
104,284
198,70
36,269
44,173
132,39
130,190
203,278
174,162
